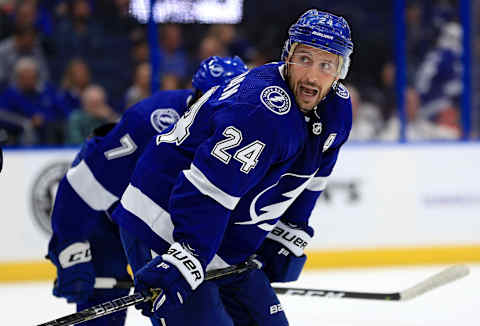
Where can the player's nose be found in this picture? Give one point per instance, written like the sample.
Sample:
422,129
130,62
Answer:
311,79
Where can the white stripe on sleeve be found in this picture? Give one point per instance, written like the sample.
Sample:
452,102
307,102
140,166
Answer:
200,181
157,219
317,184
89,189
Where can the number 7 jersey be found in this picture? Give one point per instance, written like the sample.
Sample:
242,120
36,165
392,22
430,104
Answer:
101,171
201,182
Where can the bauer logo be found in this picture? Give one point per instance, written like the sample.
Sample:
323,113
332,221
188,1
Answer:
276,99
43,194
342,91
161,119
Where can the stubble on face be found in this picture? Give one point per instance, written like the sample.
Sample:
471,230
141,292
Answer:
309,84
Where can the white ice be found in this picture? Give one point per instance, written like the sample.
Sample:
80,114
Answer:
454,304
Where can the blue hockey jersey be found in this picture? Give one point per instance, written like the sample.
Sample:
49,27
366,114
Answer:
102,169
241,158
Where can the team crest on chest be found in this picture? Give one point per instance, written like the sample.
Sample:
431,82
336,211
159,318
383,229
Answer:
317,128
276,99
162,118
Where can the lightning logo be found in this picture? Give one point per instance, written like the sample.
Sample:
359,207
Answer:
274,211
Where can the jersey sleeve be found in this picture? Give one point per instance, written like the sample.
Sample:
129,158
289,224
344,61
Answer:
96,179
227,165
301,209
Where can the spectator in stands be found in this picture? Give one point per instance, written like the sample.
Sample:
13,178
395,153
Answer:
210,45
367,120
173,58
439,79
170,82
6,8
24,43
140,52
94,112
232,41
417,127
34,105
25,14
420,35
141,85
449,119
75,79
116,18
385,96
76,35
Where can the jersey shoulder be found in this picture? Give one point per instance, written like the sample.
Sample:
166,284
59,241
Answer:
339,104
262,99
162,108
263,92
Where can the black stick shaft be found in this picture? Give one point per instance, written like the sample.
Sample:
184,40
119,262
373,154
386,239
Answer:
303,292
131,300
337,294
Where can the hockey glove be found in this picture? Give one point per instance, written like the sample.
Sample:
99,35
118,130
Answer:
281,253
75,273
174,276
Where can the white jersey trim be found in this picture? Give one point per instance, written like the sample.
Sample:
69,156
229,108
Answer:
158,219
92,192
217,263
200,181
317,184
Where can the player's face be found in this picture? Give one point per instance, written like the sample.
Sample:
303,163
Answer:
311,72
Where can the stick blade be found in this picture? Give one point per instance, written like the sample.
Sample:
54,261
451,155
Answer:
446,276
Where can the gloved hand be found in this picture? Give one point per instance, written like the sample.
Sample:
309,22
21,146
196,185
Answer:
175,275
75,273
281,253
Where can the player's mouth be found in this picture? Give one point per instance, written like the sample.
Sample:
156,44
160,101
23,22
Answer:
308,92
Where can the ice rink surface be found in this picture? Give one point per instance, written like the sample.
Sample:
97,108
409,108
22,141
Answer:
457,303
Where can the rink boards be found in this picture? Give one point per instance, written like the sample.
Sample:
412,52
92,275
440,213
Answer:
385,204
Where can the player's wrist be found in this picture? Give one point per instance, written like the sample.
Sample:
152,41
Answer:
186,263
294,239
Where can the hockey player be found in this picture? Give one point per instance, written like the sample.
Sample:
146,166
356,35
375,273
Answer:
246,162
85,243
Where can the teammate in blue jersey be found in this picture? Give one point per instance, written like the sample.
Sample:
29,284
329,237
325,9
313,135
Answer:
239,174
85,243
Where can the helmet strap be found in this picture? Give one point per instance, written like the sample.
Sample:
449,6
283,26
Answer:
340,65
289,56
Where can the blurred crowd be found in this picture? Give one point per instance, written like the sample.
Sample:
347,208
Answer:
67,67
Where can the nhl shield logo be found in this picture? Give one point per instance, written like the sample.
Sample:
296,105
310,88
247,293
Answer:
276,100
317,128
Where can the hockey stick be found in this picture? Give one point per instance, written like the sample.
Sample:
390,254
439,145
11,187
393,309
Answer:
131,300
446,276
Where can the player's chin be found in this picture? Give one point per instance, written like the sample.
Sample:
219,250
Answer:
307,105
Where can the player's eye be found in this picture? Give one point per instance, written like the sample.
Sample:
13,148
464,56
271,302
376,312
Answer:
327,67
305,59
